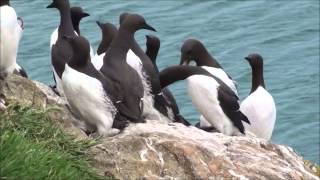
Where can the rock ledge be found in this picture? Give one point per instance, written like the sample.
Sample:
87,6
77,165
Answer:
155,150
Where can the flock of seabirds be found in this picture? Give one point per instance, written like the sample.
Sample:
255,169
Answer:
120,83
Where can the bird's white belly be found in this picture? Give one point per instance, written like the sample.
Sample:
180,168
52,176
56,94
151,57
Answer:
204,96
260,109
149,111
86,96
220,74
10,34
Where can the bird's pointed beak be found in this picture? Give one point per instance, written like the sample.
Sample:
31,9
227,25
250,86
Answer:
20,22
85,14
247,58
148,27
184,60
52,5
99,24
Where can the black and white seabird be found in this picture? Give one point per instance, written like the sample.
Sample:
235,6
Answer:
11,29
154,102
77,14
84,88
126,82
259,106
109,31
153,46
194,50
61,50
211,96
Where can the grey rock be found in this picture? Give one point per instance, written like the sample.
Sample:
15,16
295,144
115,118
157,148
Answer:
158,150
172,151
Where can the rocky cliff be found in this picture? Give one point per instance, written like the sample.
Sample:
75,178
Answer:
155,150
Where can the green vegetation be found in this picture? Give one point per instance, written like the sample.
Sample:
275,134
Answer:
314,167
32,147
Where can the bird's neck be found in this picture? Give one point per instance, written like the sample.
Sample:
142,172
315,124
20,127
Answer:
205,59
257,78
119,47
76,24
105,43
152,52
65,27
124,40
177,73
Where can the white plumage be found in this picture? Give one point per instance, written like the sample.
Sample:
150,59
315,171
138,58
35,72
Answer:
134,61
220,74
203,91
53,40
148,109
97,60
10,34
87,98
260,109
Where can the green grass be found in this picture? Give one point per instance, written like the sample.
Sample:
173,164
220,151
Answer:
32,147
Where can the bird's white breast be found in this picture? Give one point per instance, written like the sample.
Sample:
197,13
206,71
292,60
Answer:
260,109
203,91
97,60
134,61
219,73
86,96
10,34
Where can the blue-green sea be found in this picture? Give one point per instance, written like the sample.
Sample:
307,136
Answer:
285,33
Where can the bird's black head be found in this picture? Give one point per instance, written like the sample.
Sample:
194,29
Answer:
59,4
153,46
81,50
109,31
192,49
77,13
135,22
4,2
255,60
123,16
107,28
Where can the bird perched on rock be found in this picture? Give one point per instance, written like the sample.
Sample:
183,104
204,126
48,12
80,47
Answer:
11,28
259,106
211,96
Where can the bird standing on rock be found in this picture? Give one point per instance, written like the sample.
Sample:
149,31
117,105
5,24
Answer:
154,102
194,50
153,46
126,85
60,50
259,106
11,29
211,96
85,90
